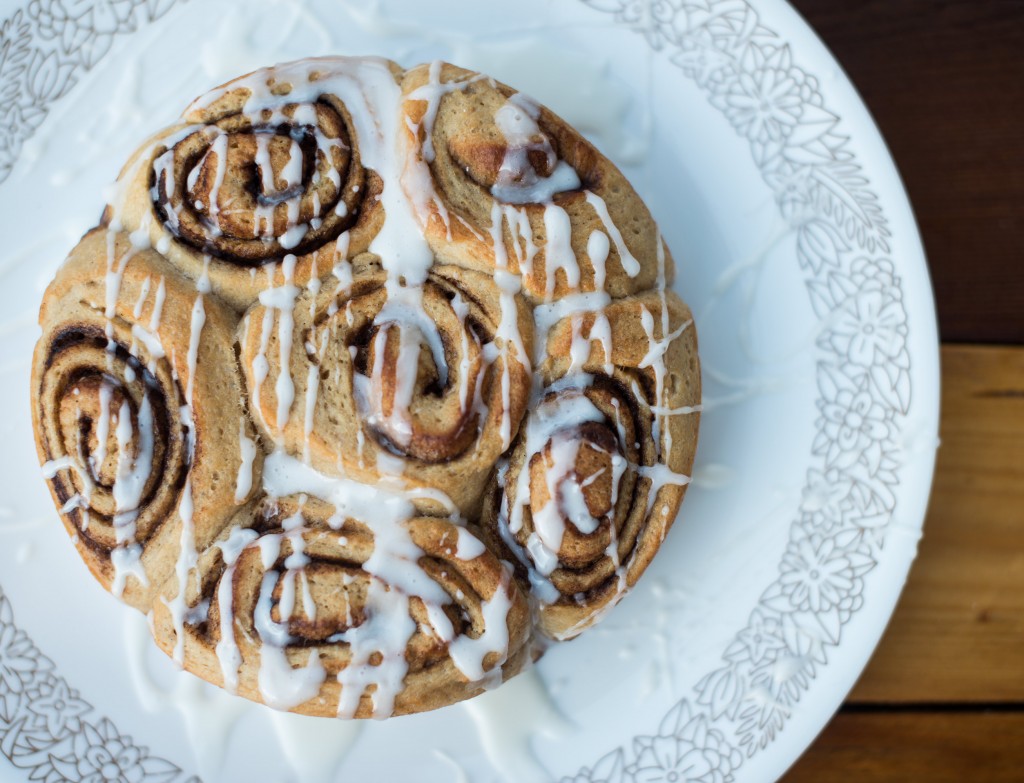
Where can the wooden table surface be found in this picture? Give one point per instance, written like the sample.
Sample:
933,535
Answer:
943,697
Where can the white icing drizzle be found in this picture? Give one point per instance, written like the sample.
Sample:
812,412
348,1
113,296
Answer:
417,178
629,263
314,747
509,742
132,470
518,182
558,252
208,715
150,341
312,388
657,349
158,306
469,547
260,365
228,654
187,557
134,466
246,457
114,275
547,315
102,427
402,312
219,147
509,286
432,93
198,321
127,561
522,237
283,687
468,653
461,309
553,421
141,301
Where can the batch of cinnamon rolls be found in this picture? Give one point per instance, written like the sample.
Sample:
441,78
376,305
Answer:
367,386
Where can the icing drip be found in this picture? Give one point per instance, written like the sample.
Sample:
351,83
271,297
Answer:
558,252
468,653
228,654
282,299
522,237
133,465
628,261
657,348
132,470
509,286
260,365
552,418
246,458
187,557
403,312
518,181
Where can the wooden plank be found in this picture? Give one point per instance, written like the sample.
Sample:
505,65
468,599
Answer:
958,633
945,82
896,747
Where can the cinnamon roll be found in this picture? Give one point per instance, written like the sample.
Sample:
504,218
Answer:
366,379
307,609
254,171
500,163
587,494
119,360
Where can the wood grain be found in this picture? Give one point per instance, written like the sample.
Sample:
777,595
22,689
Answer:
958,633
945,82
957,637
897,747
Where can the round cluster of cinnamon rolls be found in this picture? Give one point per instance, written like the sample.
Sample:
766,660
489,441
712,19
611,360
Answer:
368,380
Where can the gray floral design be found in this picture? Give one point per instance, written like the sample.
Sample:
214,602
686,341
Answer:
50,731
863,378
763,103
99,754
55,704
45,47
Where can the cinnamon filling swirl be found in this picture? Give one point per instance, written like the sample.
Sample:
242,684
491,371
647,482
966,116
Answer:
249,187
117,453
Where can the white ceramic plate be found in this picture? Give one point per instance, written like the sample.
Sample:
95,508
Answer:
798,252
